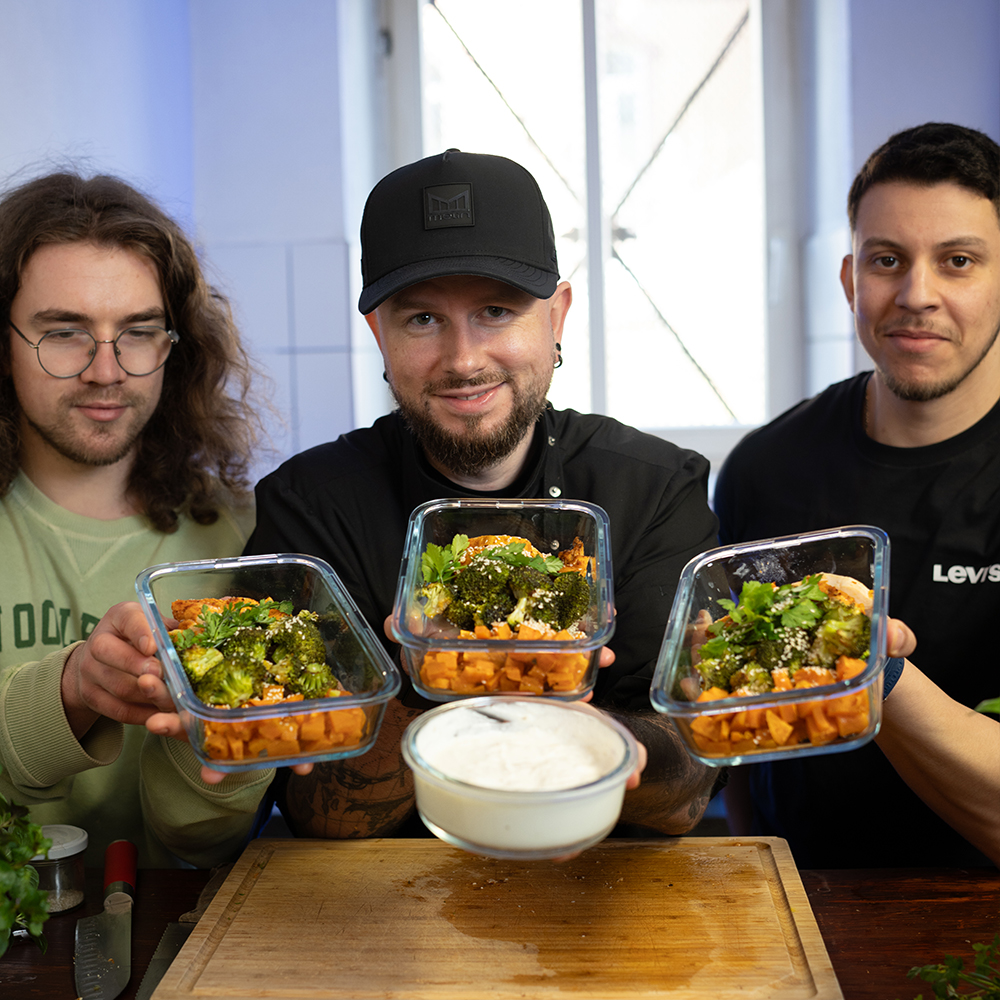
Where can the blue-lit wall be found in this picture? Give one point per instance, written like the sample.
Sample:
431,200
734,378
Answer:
228,113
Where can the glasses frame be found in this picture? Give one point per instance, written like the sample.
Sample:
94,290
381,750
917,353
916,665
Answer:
172,334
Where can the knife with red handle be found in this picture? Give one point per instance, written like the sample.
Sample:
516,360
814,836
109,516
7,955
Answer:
103,955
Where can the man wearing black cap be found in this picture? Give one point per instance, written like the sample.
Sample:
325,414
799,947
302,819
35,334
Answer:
462,292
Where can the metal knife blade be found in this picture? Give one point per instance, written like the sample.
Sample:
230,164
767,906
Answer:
166,951
103,955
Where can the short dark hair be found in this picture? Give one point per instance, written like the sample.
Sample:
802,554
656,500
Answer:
932,154
197,445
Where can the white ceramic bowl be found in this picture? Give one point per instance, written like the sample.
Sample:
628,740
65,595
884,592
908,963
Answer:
518,776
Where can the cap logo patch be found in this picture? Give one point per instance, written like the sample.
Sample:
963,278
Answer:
448,205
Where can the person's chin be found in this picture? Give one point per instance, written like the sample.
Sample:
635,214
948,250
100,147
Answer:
471,426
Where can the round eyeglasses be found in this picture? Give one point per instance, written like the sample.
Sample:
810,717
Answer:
139,350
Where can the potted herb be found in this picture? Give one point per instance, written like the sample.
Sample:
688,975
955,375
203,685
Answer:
946,977
22,903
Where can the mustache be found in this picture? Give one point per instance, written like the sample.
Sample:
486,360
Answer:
87,397
912,323
483,378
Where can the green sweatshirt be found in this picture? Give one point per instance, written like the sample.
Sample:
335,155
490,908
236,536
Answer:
59,573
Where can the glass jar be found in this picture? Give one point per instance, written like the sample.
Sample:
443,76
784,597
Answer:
62,873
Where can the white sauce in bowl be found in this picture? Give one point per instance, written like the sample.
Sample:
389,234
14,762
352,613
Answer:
539,748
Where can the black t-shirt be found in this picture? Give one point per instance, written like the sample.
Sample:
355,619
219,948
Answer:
812,468
349,501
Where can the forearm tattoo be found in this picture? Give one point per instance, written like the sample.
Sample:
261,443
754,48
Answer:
365,796
675,788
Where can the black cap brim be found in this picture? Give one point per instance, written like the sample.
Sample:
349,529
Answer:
529,279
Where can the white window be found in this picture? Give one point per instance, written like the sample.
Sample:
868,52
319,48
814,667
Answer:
642,121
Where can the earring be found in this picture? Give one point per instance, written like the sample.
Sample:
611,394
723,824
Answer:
559,357
385,378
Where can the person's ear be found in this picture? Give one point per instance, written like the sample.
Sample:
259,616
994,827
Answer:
847,279
372,320
559,303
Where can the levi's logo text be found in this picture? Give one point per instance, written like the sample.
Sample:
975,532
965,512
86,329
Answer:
967,574
23,626
448,205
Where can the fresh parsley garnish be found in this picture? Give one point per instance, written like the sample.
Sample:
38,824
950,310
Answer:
214,627
440,563
515,555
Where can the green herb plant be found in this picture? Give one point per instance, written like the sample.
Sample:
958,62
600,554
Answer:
22,903
946,977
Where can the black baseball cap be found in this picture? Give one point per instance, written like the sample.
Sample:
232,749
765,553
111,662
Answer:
456,213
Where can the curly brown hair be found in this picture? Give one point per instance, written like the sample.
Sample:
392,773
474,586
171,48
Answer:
195,451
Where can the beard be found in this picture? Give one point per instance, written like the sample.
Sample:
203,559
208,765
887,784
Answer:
107,444
912,391
473,451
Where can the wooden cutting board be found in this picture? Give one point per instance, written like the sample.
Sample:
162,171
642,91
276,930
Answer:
697,918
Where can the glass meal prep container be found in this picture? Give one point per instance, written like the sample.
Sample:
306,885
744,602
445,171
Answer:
776,724
446,661
285,731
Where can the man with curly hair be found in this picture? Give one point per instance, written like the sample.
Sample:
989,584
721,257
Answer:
125,438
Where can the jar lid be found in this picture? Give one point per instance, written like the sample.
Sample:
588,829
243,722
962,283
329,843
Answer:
66,841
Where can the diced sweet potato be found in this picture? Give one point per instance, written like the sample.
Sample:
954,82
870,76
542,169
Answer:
780,729
481,671
849,667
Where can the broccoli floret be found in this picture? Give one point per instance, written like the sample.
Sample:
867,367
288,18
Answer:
297,641
481,594
752,679
313,681
572,598
437,597
844,632
482,577
197,661
248,646
496,609
462,614
717,672
532,590
769,653
227,684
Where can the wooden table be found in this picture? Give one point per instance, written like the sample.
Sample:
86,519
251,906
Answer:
876,924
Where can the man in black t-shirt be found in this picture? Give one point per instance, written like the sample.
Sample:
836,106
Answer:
462,293
913,447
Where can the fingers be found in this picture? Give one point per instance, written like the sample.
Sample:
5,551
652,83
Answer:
155,692
635,777
607,657
166,724
386,627
101,677
211,777
690,688
900,640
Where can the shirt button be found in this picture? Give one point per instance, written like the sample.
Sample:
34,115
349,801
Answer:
552,440
554,491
